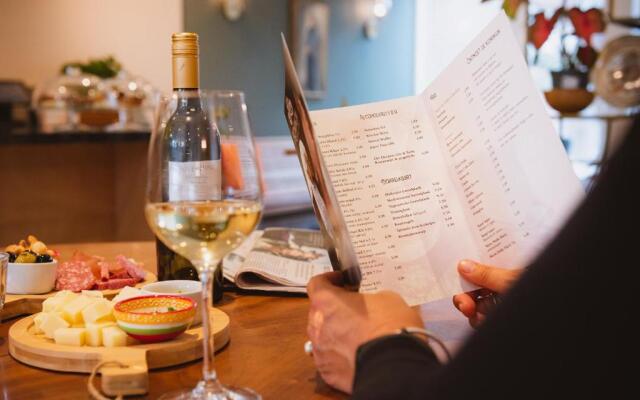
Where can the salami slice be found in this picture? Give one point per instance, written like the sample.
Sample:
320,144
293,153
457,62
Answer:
74,276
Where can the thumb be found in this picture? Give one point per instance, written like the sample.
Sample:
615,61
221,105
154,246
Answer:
326,281
492,278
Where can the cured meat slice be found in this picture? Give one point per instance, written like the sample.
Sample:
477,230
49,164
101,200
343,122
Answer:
92,261
74,276
116,283
104,270
121,274
133,268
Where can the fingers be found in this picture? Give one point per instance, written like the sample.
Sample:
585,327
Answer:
465,304
492,278
327,281
477,320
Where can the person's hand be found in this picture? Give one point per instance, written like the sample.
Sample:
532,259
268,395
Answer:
340,321
495,279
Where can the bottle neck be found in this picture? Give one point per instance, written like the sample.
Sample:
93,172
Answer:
186,72
188,98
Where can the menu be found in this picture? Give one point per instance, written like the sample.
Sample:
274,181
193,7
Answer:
469,169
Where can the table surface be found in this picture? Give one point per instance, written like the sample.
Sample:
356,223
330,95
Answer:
265,351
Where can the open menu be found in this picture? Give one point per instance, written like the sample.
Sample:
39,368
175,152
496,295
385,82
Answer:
471,168
277,259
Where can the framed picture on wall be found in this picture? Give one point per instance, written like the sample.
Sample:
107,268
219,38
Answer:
309,35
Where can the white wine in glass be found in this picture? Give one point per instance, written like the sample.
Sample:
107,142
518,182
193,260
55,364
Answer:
203,230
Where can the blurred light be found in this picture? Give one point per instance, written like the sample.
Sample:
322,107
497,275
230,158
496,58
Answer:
380,10
132,86
86,82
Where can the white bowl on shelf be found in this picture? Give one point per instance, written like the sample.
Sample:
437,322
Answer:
186,288
31,278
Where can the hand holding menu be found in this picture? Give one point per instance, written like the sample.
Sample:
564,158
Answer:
470,169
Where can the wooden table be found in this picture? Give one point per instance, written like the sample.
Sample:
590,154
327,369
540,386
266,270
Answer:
265,352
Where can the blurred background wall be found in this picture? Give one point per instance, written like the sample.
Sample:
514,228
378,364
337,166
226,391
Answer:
246,55
38,36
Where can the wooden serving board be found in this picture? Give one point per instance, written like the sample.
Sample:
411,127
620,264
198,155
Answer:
38,351
23,304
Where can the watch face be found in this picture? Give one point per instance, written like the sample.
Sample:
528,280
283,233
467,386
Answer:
233,9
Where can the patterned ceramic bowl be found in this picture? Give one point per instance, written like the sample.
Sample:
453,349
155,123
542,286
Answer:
152,319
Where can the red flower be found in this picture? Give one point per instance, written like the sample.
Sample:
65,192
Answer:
541,29
586,23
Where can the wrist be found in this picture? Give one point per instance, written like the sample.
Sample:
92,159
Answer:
425,337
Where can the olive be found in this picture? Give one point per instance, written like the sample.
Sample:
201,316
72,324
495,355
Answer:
44,258
12,257
26,257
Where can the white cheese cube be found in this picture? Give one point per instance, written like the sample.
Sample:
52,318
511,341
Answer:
70,336
37,321
52,322
50,304
62,293
129,292
72,311
57,302
98,310
92,293
94,332
112,336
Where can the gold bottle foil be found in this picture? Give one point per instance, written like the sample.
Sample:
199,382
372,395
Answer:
184,58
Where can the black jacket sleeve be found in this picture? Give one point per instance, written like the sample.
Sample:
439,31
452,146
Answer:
563,331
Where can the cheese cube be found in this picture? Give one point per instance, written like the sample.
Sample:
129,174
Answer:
112,336
94,332
72,311
129,292
37,321
70,336
98,310
58,301
92,293
52,322
62,293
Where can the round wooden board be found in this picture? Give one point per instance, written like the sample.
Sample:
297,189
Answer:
22,304
38,351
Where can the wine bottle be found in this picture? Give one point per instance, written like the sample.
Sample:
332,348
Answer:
191,152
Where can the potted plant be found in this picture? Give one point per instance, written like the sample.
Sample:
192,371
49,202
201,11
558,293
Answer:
575,27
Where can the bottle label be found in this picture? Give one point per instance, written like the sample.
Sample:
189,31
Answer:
195,180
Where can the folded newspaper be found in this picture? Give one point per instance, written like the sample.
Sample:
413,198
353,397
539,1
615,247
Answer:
277,259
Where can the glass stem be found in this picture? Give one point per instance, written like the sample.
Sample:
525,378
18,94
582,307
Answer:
209,375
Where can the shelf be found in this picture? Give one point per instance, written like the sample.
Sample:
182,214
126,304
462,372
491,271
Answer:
628,22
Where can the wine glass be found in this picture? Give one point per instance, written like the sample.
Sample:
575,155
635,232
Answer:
203,197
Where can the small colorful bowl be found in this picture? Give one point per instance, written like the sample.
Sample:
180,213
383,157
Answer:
152,319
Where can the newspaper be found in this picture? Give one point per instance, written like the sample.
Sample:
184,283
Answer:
277,259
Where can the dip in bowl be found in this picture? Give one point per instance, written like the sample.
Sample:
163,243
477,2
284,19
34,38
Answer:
155,318
185,288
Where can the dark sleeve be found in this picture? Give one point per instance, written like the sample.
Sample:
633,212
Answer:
392,366
563,331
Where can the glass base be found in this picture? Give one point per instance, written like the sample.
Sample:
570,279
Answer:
212,392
